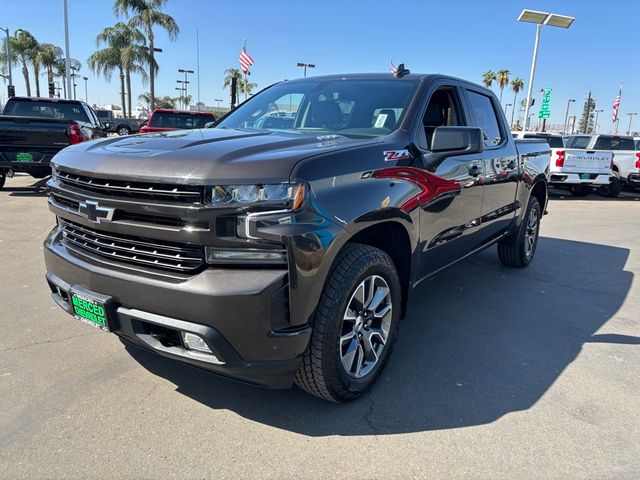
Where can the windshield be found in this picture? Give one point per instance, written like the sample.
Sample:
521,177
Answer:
179,120
356,108
40,108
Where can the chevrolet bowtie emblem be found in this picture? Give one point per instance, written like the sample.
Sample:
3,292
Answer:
95,212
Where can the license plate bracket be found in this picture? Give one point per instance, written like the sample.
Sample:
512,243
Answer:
24,157
585,176
91,308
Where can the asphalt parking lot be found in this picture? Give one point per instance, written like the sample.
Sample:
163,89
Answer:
497,373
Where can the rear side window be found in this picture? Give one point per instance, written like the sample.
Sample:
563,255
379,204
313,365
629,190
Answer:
577,141
486,117
45,109
554,142
614,143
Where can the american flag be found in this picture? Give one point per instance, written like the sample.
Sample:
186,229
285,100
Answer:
393,69
616,106
245,61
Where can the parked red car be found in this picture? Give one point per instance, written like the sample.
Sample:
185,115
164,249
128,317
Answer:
163,119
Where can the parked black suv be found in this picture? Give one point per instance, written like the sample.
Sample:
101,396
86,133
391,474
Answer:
276,254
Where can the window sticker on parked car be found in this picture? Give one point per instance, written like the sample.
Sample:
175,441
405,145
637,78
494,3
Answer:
380,120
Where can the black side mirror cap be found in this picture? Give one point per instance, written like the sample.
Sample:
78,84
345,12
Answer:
451,141
457,140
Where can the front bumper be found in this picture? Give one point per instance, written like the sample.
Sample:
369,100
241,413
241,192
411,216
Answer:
559,178
238,312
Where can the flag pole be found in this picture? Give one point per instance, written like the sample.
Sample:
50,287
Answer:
617,122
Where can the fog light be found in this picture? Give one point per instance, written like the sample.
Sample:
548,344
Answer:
245,255
194,342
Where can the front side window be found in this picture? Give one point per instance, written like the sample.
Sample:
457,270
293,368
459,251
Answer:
486,117
442,110
350,107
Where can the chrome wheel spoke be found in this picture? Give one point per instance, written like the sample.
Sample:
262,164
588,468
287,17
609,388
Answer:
386,310
379,295
347,336
349,356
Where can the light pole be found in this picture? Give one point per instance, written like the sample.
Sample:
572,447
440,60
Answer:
305,65
540,19
595,124
572,119
219,100
180,100
86,95
566,116
183,94
631,114
6,30
73,75
186,72
67,57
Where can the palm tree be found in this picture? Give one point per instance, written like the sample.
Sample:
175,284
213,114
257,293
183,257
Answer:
59,70
23,44
247,87
146,15
229,74
517,84
488,78
503,80
48,56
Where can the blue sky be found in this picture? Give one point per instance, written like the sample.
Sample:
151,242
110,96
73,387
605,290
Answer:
462,38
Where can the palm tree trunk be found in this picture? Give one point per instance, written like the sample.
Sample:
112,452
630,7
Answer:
513,110
25,73
124,106
128,77
501,89
64,86
152,80
36,74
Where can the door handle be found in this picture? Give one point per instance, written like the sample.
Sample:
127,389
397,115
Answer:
474,171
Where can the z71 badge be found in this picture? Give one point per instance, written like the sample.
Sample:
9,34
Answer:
395,155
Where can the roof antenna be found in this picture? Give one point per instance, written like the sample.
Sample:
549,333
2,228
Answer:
401,71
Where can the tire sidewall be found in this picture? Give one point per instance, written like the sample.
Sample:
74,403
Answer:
533,204
123,129
332,364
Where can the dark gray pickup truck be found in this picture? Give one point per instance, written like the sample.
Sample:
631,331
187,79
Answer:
33,130
288,253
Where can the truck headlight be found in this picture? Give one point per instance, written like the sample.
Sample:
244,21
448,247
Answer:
292,194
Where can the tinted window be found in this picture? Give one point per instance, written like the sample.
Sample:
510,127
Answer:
614,143
554,142
179,120
486,117
441,111
350,107
44,109
577,141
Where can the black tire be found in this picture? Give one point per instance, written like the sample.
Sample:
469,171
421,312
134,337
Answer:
322,372
123,130
513,250
580,190
3,177
613,189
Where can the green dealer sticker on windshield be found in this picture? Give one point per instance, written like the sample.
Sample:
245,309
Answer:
90,311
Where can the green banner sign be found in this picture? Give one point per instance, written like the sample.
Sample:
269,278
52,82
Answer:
544,107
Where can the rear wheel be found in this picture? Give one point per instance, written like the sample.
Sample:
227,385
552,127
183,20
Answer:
580,190
518,250
614,188
354,326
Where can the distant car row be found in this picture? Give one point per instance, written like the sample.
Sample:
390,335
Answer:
583,161
33,130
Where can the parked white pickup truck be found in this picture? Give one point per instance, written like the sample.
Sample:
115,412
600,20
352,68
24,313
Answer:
577,169
625,169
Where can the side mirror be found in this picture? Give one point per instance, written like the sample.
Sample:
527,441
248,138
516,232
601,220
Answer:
457,140
450,141
108,125
209,124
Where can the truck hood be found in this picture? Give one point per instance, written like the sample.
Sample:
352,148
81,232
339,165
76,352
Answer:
206,156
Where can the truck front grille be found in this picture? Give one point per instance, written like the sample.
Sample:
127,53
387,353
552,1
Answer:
133,250
136,190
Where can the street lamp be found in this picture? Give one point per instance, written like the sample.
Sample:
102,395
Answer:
631,114
566,116
73,75
540,19
305,65
6,30
595,124
180,94
219,100
185,71
86,95
183,94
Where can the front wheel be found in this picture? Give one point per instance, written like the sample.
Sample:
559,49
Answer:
354,326
122,131
518,250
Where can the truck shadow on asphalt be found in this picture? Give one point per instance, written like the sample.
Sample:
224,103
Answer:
479,341
624,196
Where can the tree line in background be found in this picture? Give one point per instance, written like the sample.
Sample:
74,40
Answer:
502,77
127,48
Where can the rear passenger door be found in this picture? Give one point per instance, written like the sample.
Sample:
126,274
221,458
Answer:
500,159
